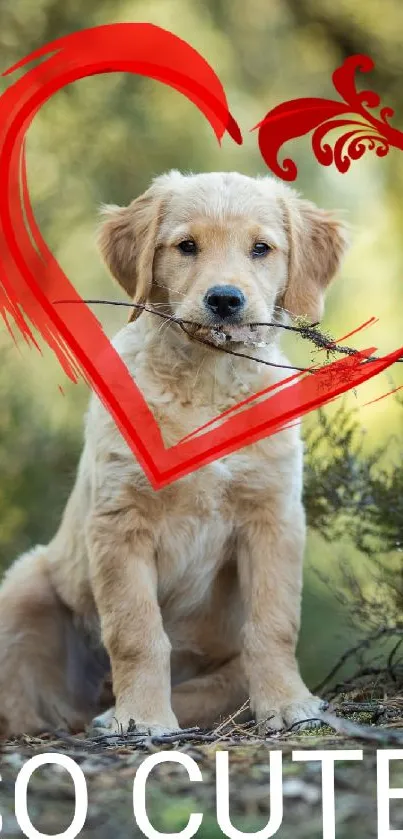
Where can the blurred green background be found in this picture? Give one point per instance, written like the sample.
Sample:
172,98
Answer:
102,140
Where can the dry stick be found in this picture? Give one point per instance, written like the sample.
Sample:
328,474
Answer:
133,739
242,354
231,718
363,644
391,659
182,323
350,684
358,731
301,723
308,332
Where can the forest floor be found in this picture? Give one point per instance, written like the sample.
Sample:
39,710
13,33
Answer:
109,765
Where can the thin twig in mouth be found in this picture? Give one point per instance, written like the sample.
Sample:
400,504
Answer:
308,332
183,323
201,340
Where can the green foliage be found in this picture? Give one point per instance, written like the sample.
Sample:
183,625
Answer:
348,490
355,496
36,468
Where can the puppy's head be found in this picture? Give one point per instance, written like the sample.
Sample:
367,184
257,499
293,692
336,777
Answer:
223,250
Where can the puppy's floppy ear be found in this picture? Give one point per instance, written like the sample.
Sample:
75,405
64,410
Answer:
127,241
317,242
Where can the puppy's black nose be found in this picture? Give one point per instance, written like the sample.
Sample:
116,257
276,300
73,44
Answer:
224,300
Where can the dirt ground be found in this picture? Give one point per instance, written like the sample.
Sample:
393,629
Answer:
110,764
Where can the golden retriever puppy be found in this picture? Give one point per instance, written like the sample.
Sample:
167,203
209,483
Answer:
189,596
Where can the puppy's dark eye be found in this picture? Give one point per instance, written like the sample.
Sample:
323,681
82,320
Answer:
260,249
188,246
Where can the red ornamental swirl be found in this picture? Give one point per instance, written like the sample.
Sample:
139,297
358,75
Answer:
301,116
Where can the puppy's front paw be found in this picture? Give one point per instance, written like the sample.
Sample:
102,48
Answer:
103,723
303,712
114,722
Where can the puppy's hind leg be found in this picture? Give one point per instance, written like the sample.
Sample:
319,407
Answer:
208,699
45,663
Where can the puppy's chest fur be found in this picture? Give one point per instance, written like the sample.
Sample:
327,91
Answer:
194,536
198,519
195,520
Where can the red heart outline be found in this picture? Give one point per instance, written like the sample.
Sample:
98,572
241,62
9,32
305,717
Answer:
30,277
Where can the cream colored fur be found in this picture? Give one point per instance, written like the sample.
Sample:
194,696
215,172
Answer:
194,590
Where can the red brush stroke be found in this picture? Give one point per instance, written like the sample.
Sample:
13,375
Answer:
384,395
300,116
369,322
295,376
30,277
